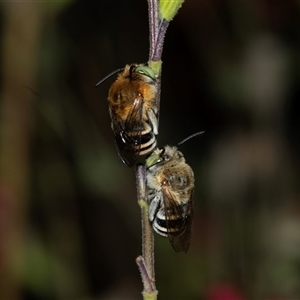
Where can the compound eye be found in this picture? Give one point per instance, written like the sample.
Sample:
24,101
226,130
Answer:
163,154
145,71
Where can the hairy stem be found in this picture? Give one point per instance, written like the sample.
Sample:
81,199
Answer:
153,25
146,262
160,13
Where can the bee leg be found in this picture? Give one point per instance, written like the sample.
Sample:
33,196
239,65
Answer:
153,121
154,207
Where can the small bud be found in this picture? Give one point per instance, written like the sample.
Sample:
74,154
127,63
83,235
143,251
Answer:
169,8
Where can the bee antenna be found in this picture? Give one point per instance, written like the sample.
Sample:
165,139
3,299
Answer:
190,137
131,70
109,75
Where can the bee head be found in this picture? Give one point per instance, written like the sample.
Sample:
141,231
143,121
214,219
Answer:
144,70
163,154
157,156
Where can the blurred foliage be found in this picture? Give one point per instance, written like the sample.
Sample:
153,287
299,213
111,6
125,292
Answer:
69,221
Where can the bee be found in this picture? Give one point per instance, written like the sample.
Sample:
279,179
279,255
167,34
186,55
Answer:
133,111
170,188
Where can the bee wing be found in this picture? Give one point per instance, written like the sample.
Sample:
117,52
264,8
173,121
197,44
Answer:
128,145
178,221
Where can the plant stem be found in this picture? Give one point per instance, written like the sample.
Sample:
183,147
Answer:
160,13
153,25
146,262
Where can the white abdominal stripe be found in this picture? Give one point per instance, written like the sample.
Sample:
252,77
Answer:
148,143
165,227
163,231
144,143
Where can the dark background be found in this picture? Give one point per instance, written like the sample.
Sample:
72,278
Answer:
69,221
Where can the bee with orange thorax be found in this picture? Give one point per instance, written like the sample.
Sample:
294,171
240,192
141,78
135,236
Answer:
133,111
